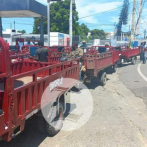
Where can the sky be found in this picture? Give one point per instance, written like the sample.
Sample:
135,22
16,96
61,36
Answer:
102,20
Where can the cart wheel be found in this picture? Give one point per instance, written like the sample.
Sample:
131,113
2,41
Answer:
133,60
56,123
115,67
103,79
41,124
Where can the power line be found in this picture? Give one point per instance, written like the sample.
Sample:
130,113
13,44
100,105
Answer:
101,12
19,23
24,24
22,19
99,24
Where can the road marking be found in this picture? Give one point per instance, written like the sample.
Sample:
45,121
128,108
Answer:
140,73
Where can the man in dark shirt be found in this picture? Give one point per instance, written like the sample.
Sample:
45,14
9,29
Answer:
41,53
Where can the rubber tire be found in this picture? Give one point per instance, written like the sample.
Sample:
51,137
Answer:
103,79
50,129
115,67
41,124
133,61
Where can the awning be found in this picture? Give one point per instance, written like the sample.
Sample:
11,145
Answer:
22,8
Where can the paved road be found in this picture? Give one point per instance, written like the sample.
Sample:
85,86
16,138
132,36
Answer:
119,119
129,75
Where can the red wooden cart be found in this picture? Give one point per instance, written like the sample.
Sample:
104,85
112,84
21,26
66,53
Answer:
95,63
129,55
56,48
22,84
54,54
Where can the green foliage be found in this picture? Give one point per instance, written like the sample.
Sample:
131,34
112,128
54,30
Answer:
59,14
84,30
97,34
23,31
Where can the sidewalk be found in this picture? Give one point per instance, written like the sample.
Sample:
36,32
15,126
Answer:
118,120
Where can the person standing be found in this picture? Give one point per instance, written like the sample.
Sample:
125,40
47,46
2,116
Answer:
84,46
29,42
141,50
41,53
144,53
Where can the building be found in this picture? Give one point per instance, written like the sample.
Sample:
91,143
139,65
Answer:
109,35
56,38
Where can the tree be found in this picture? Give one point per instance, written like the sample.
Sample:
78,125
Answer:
23,31
97,34
123,18
84,30
59,19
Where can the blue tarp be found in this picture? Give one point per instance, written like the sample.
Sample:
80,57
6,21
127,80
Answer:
134,44
33,50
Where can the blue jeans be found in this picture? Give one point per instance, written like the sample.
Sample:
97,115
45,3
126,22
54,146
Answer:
144,57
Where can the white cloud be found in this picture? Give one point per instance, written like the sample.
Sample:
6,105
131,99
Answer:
93,7
114,19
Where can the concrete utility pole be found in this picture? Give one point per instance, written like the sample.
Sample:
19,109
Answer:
41,29
70,23
139,18
144,34
1,29
133,19
48,21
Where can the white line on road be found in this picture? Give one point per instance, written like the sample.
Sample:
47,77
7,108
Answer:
140,73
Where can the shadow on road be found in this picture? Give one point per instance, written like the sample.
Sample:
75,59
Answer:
94,84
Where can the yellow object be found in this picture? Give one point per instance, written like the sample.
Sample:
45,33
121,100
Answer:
83,68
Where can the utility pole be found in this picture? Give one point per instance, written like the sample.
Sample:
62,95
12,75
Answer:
133,19
14,25
41,29
70,23
121,35
139,18
10,25
48,21
1,29
144,34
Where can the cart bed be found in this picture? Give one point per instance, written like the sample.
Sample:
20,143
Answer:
95,64
128,53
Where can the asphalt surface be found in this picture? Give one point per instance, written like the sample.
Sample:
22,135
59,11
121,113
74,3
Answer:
118,119
129,75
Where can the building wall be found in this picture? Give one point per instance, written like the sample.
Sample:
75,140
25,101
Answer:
56,38
7,37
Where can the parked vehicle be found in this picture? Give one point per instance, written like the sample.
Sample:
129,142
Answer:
96,60
129,55
22,84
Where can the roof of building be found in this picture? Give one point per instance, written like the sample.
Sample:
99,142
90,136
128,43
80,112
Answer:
22,8
53,34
